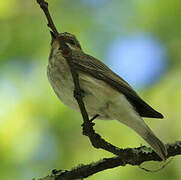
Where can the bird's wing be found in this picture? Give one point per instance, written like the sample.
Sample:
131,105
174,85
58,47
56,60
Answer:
99,70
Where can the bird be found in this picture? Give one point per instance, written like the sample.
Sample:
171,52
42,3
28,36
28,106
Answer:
106,94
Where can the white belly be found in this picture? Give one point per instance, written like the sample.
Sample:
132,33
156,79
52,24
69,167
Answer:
99,97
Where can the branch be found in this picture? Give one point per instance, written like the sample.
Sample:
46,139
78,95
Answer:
134,156
44,6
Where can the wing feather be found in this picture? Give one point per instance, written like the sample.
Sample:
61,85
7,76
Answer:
99,70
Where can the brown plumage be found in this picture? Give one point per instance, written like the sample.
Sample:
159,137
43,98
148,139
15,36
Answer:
97,69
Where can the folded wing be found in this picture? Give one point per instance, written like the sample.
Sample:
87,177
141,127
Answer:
92,66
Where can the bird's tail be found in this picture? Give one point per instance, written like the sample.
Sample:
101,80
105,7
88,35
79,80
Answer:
146,133
155,143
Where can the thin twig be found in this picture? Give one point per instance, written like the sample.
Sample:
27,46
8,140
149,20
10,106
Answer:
44,6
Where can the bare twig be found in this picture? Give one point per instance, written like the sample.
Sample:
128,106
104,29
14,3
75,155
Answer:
44,6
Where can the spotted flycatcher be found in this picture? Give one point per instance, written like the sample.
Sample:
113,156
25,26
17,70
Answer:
105,93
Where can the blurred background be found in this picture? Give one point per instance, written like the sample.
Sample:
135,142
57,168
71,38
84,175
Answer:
139,40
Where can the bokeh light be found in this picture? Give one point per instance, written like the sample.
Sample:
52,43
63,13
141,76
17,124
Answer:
94,3
138,58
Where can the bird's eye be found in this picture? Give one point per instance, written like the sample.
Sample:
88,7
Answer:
72,42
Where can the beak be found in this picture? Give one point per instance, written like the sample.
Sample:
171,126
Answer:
52,35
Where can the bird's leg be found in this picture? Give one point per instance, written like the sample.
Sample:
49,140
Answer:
94,117
90,122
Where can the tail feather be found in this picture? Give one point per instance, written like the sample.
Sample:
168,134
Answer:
146,133
156,144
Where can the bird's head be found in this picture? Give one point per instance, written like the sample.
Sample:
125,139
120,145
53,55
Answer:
68,38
